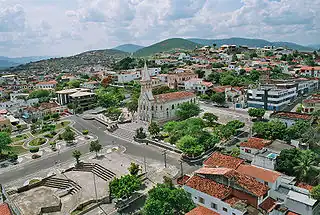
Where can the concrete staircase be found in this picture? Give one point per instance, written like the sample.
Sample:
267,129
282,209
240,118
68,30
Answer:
62,184
96,169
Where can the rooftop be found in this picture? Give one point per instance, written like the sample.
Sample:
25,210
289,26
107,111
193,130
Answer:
259,173
80,94
291,115
4,209
202,211
47,82
304,186
70,91
278,146
255,143
220,160
182,180
268,204
173,96
209,187
299,197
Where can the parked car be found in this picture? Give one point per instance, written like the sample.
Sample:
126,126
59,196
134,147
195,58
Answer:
35,156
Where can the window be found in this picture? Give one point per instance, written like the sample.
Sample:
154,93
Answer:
225,209
201,200
248,151
233,213
172,107
213,205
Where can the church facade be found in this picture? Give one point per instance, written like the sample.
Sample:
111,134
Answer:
159,108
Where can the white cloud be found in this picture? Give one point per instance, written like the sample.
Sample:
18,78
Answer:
59,27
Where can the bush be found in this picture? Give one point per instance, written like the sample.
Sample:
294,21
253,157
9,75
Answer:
35,156
85,132
13,156
34,149
140,134
49,135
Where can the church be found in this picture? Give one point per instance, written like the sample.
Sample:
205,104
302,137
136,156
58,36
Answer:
159,108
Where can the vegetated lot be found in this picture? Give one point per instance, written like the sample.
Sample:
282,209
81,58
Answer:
37,142
20,137
62,124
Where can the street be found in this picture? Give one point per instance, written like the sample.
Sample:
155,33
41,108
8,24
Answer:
134,149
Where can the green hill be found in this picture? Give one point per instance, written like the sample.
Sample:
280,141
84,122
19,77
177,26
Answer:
166,45
249,42
130,48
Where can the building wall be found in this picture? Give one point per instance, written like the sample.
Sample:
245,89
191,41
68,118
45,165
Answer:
298,207
195,194
264,162
248,153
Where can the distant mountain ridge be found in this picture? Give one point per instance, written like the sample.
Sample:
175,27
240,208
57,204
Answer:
6,62
249,42
130,48
166,45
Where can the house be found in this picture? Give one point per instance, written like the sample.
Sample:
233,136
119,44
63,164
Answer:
5,209
126,77
91,85
220,160
44,109
311,104
197,85
310,71
200,210
250,148
47,85
1,92
290,118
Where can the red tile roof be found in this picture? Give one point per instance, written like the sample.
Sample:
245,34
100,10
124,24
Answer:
291,115
219,160
255,143
47,82
259,173
202,211
209,187
248,183
182,180
291,213
4,209
304,186
231,200
213,171
173,96
268,204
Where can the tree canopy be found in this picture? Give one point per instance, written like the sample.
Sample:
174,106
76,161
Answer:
315,192
256,112
95,146
154,129
68,135
218,98
39,94
187,110
5,140
210,118
110,96
125,186
167,200
190,146
271,130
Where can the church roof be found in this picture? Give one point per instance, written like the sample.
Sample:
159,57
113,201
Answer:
145,73
173,96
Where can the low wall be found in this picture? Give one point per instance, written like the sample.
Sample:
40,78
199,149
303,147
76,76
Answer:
162,145
51,209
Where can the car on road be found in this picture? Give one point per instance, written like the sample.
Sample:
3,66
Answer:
221,106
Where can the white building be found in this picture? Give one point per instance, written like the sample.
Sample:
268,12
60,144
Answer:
47,85
197,85
310,71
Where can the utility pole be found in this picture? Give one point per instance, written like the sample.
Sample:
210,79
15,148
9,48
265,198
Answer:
181,167
145,164
95,186
165,158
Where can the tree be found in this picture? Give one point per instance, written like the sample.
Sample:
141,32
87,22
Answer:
154,129
306,165
287,160
5,140
214,45
218,98
85,132
187,110
55,116
124,187
315,192
77,154
210,118
254,75
95,146
297,130
110,96
214,77
74,83
134,169
200,73
68,135
256,112
234,58
235,124
167,200
272,130
39,94
190,146
140,134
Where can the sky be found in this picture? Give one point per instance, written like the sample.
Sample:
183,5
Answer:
67,27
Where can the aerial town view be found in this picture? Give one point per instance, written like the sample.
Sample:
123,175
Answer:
169,107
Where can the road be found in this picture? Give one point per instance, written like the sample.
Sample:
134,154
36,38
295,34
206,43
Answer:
150,152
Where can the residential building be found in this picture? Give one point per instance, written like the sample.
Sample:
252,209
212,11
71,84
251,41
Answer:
252,147
18,96
47,85
91,85
160,107
126,77
44,109
1,92
290,118
271,97
176,80
311,104
310,71
4,123
5,209
197,85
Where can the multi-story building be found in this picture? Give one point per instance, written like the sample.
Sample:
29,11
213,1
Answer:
271,97
176,80
91,85
290,118
47,85
82,99
310,71
311,104
126,77
197,85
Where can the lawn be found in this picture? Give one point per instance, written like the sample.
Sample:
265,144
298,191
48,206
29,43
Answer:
33,181
65,124
38,141
20,137
17,150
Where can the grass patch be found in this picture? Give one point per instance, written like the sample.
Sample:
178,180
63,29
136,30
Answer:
20,137
38,142
62,124
17,150
33,181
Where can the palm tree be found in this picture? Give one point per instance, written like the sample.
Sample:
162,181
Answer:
306,165
76,154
